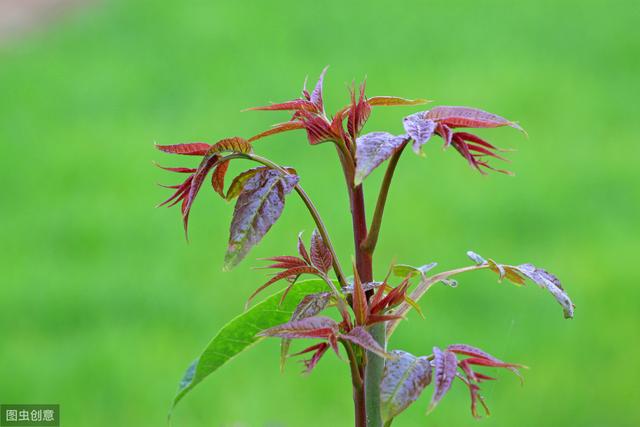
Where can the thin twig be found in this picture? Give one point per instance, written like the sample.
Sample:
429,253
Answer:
369,244
422,289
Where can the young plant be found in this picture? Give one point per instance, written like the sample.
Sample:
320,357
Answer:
366,312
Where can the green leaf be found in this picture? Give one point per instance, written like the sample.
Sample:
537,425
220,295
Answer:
240,333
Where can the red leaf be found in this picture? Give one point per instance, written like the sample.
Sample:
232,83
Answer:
217,178
446,365
302,250
320,255
296,105
469,118
318,129
358,113
312,327
361,337
360,306
198,178
179,170
309,306
189,149
291,272
319,351
285,262
279,128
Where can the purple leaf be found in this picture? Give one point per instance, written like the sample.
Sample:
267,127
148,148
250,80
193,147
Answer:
320,255
312,327
310,305
372,149
419,129
258,207
362,338
316,95
404,379
446,364
551,283
478,259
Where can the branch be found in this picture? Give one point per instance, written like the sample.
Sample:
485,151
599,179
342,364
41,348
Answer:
422,289
369,245
310,207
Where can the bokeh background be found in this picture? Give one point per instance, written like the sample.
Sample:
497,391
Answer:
103,304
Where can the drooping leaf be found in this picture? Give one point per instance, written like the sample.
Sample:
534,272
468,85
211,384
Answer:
188,149
552,284
318,351
310,305
468,117
374,148
362,338
217,177
541,277
311,327
205,166
394,100
419,129
258,207
240,334
445,366
405,377
320,255
481,354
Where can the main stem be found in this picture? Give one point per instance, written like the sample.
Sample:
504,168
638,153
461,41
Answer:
374,364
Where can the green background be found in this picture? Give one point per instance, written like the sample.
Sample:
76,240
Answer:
103,304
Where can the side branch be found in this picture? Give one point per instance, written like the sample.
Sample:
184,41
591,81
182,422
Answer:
310,207
422,289
369,245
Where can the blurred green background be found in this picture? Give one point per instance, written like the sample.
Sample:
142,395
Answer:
103,304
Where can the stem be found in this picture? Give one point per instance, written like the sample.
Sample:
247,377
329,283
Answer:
360,408
375,364
363,259
369,244
310,207
373,377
